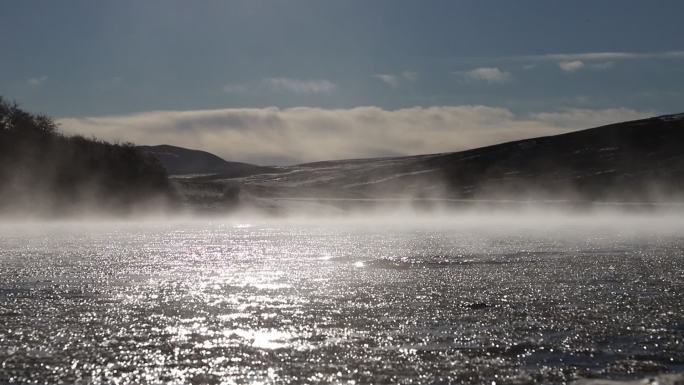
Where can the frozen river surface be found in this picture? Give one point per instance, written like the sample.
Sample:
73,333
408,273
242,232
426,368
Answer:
456,301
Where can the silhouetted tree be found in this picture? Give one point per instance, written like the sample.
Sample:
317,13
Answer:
41,167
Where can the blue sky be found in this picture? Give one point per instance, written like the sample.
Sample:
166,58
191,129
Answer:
77,59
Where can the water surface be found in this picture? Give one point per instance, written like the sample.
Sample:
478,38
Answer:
396,301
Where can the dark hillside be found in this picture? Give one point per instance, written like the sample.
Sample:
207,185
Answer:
43,170
183,161
636,161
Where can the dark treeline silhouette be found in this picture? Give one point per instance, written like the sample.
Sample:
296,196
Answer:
45,171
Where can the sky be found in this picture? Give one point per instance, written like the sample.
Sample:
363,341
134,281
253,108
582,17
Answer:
277,82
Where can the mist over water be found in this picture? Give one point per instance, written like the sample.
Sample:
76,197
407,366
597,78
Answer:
358,192
403,296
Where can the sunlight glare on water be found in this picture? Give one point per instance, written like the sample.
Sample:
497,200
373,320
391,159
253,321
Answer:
295,302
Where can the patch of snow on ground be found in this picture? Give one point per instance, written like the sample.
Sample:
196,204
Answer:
391,177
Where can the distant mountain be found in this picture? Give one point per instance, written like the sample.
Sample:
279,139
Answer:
637,161
183,161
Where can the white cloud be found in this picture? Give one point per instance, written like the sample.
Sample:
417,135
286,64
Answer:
571,66
589,60
294,135
37,81
488,74
301,86
576,65
395,81
603,56
390,80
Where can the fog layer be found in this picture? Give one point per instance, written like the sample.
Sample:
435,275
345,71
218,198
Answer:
304,134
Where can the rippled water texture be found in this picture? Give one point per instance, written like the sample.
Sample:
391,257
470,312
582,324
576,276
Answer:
388,302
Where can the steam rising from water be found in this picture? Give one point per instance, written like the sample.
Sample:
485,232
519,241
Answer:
410,297
401,296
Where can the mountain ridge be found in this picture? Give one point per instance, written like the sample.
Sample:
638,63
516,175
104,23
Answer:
179,161
634,161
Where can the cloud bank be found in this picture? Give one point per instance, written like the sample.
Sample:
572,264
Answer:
294,135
